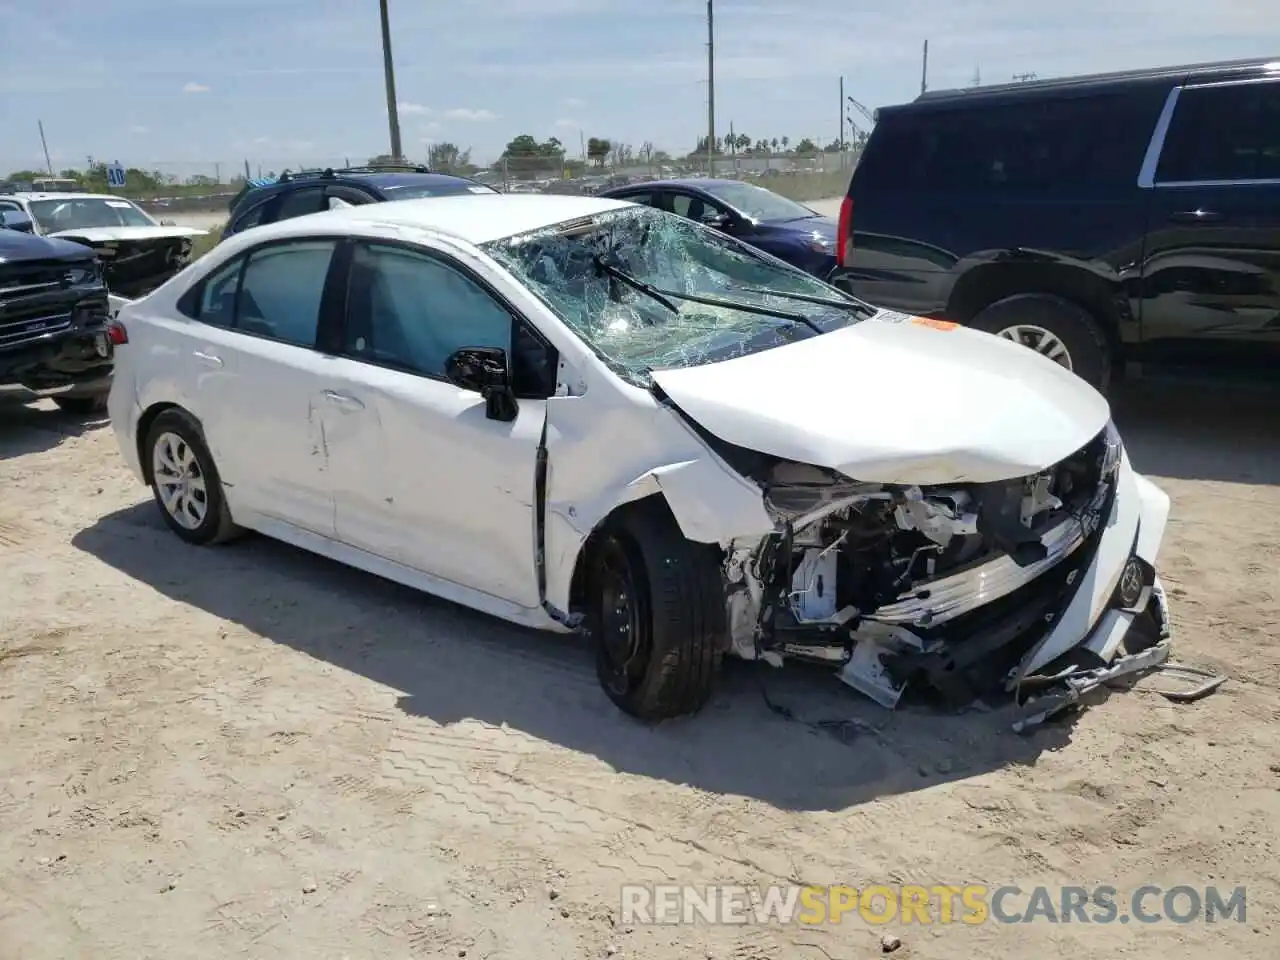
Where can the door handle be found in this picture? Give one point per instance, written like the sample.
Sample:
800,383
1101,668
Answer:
1196,216
343,400
209,358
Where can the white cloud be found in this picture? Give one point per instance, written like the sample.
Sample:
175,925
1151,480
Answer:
470,116
574,102
136,128
427,128
194,87
413,108
567,124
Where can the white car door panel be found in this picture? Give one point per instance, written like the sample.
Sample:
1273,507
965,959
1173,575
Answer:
427,479
257,386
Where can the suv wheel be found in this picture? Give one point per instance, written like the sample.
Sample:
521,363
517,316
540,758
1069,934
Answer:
1055,328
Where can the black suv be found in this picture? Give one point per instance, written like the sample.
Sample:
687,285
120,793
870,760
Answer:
311,191
1108,221
54,337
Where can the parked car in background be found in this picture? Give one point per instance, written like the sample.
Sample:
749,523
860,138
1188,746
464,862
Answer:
1108,220
136,252
311,191
788,230
589,414
53,320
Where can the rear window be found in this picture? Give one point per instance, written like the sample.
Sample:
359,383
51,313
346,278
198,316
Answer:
1223,133
415,192
1087,141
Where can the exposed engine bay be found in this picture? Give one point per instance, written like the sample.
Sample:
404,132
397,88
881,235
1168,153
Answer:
895,585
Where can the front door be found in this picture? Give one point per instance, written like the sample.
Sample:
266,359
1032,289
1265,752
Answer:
420,475
1211,270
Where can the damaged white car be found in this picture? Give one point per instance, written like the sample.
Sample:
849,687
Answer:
580,414
137,253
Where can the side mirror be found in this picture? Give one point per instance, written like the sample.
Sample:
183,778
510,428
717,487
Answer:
168,223
487,371
717,221
16,220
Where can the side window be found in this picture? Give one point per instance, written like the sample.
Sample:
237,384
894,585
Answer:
648,199
251,218
214,301
411,311
1223,133
10,205
695,208
298,203
281,289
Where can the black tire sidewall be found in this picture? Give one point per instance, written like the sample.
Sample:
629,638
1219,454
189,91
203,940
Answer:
186,427
1079,333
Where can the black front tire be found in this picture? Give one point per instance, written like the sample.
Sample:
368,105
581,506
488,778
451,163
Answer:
83,406
216,525
1074,327
657,614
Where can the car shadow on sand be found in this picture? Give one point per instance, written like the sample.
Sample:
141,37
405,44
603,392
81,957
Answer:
1188,430
36,428
796,737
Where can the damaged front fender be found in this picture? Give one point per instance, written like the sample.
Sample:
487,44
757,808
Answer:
588,479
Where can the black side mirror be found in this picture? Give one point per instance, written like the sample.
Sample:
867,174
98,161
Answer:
717,221
16,220
487,371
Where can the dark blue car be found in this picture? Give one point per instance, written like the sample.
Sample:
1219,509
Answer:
311,191
752,214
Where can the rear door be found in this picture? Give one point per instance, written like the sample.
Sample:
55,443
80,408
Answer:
1211,266
257,375
297,203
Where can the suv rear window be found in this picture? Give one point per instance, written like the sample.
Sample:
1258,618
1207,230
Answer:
1083,141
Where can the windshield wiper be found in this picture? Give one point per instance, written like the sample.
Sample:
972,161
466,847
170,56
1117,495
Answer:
661,295
806,298
607,268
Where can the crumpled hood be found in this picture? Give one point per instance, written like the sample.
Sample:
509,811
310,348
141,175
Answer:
896,399
108,234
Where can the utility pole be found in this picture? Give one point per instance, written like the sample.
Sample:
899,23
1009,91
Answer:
393,116
711,91
43,143
924,69
217,173
841,140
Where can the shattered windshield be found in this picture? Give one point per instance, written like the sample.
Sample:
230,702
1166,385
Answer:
622,281
83,212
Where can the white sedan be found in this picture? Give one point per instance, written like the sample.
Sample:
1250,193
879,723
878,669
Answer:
582,414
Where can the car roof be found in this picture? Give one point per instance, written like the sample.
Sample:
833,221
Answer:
29,195
404,179
1217,70
694,182
473,218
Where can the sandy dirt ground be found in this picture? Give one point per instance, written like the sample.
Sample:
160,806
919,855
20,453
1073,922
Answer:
249,751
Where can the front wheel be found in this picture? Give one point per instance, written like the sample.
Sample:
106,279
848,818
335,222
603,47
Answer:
657,614
1056,329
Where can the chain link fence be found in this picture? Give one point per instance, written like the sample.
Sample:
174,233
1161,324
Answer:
210,185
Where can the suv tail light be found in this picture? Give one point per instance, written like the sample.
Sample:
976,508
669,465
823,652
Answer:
844,233
116,333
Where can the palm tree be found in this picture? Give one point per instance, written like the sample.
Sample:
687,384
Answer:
774,144
785,141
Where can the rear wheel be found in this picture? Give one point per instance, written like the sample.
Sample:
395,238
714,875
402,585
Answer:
1055,328
656,610
185,482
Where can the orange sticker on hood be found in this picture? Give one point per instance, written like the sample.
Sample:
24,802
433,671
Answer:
934,324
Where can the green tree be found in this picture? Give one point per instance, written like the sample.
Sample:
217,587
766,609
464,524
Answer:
597,150
806,148
447,157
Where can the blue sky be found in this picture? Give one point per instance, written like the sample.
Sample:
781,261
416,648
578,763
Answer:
181,84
